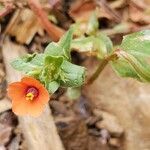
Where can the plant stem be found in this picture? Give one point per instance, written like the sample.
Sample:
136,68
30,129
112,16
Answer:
100,68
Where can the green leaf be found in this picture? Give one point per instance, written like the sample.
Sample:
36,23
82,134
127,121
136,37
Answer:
78,30
65,43
93,24
53,49
38,60
100,44
83,44
104,45
129,66
74,93
29,64
123,68
134,53
20,64
137,43
54,61
72,75
62,48
53,86
51,69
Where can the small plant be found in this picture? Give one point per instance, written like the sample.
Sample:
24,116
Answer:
48,71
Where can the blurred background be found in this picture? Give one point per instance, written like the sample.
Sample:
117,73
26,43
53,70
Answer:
111,114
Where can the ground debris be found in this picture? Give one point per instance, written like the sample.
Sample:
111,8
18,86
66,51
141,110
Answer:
15,143
109,122
58,108
5,133
5,104
23,25
114,142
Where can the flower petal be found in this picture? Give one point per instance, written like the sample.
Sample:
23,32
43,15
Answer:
43,93
21,106
35,109
31,82
43,96
16,91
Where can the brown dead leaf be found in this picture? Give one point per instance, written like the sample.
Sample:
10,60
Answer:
53,31
5,132
137,12
23,25
15,143
81,10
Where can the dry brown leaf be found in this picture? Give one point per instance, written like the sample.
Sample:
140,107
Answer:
139,15
81,10
23,25
5,132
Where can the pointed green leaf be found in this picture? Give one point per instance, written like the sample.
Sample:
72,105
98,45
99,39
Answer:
104,45
23,64
38,60
93,24
53,49
65,43
28,57
62,48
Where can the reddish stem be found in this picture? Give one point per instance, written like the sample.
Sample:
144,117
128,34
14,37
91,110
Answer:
53,31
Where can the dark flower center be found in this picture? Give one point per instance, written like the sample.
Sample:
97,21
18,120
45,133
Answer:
31,93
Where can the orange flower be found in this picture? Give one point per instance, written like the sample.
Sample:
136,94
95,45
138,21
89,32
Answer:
28,96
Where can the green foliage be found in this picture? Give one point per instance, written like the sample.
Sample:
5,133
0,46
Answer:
73,93
53,49
53,86
65,43
72,75
95,42
53,68
62,48
93,25
24,64
133,55
101,44
137,43
83,44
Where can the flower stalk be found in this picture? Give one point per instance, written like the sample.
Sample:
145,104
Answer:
103,63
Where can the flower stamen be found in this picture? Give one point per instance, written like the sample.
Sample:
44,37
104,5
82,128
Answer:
29,96
31,93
